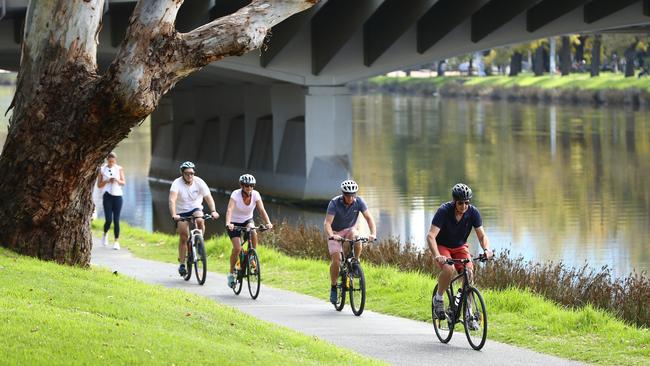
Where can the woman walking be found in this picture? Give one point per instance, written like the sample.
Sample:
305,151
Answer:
110,180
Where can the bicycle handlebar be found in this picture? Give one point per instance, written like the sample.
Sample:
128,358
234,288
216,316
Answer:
260,227
480,258
361,239
192,218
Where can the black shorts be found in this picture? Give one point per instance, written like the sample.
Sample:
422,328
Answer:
237,232
186,214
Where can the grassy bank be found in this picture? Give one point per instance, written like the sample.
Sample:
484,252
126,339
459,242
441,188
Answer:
608,88
55,315
516,316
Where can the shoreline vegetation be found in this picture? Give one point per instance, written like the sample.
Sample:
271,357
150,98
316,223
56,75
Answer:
400,282
605,90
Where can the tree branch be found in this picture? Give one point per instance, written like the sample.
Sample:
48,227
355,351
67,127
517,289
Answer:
238,33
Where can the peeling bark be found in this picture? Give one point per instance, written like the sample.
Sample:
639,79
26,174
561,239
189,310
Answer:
67,118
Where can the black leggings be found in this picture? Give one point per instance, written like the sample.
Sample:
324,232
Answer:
112,209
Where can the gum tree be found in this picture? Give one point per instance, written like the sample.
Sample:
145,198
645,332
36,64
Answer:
67,117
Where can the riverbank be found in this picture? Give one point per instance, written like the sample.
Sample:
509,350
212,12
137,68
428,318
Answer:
517,316
606,89
58,315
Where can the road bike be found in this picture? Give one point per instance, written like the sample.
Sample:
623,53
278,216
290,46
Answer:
196,256
466,307
249,262
351,281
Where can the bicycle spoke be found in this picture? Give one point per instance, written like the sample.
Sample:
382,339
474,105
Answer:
444,327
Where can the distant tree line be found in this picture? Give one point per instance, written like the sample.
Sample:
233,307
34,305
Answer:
577,53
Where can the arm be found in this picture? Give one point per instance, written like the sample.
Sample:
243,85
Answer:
483,241
231,205
172,204
433,244
213,210
371,224
265,216
121,181
329,218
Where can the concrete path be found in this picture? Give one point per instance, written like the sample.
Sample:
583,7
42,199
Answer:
396,340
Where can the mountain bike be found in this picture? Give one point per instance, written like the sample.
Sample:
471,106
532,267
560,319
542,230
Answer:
249,262
351,281
466,307
196,251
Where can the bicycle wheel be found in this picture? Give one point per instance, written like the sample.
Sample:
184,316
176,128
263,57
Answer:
475,319
357,292
189,260
341,288
201,263
444,328
253,275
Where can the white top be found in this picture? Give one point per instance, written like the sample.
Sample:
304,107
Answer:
189,197
114,189
241,212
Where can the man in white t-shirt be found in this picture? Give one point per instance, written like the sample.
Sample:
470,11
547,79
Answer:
186,197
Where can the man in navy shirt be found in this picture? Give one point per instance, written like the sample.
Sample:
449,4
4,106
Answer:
340,222
447,238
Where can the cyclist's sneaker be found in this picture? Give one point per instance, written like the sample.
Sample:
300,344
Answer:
181,270
439,308
473,325
333,296
231,280
116,245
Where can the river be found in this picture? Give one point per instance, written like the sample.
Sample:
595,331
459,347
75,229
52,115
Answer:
552,182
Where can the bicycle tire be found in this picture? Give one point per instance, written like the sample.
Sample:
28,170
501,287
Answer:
444,328
201,263
253,276
477,311
341,287
189,260
360,289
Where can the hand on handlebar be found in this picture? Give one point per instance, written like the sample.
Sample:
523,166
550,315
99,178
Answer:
230,226
176,217
268,226
214,214
372,237
488,253
441,259
336,237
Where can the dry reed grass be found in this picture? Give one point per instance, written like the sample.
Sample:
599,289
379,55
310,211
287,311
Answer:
628,298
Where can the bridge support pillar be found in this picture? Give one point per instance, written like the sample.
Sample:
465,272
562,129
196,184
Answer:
328,138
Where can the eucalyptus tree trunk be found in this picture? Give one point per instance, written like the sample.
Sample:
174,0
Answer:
67,118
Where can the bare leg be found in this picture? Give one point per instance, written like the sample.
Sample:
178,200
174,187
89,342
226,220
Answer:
334,267
236,248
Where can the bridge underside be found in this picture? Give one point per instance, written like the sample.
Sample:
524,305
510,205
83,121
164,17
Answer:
283,113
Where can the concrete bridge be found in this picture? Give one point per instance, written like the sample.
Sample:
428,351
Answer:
284,113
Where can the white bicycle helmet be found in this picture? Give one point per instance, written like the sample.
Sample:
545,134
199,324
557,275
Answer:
349,186
187,165
247,179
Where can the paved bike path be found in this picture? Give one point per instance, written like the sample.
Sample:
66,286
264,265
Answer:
396,340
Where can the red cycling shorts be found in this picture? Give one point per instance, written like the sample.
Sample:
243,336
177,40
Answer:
456,253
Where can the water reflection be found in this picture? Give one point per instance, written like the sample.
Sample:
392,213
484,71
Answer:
552,182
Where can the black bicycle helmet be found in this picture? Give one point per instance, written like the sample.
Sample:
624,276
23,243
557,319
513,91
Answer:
461,192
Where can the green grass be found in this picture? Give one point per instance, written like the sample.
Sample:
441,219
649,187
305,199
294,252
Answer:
54,315
516,317
578,81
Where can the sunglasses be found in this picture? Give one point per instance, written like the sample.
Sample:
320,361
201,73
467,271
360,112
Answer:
463,202
249,185
349,194
188,173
